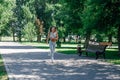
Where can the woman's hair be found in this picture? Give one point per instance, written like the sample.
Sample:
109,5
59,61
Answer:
51,28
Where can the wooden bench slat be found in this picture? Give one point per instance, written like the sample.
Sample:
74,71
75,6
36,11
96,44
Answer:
97,48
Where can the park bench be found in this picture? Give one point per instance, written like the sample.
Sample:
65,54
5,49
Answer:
97,48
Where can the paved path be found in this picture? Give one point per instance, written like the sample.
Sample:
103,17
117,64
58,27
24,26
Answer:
28,63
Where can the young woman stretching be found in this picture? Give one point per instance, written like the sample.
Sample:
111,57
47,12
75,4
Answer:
52,38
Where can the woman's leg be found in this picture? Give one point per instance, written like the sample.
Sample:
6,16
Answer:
51,47
51,50
54,45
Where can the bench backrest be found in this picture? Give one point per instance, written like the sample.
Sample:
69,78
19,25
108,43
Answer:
106,43
95,46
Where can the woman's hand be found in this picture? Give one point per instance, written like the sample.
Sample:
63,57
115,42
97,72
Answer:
47,42
53,39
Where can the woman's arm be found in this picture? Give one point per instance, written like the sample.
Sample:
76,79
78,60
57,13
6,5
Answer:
54,39
56,36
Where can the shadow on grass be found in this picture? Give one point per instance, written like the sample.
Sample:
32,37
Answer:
45,47
68,52
64,50
111,56
42,47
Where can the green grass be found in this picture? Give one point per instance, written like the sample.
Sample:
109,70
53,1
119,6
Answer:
66,50
66,47
3,74
111,54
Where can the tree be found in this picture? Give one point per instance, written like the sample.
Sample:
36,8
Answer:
90,17
25,13
68,16
18,13
40,16
113,8
5,16
102,16
110,19
29,32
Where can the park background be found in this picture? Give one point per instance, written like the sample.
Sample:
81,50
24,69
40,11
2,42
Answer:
77,21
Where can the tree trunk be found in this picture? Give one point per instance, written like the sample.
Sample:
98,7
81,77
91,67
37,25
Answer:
13,35
38,34
58,43
38,37
64,39
0,38
119,39
70,39
39,29
87,39
110,38
19,36
77,39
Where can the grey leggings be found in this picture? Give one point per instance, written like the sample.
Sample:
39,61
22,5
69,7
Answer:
52,47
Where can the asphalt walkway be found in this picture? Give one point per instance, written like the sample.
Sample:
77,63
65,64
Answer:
29,63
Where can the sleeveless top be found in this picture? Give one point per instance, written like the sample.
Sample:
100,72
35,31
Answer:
53,35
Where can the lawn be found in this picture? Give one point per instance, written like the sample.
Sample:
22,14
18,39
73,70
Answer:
3,74
111,54
66,48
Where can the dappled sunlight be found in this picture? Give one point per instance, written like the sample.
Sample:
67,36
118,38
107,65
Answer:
29,63
60,39
28,77
43,69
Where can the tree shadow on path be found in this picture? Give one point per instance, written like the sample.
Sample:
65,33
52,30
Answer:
33,64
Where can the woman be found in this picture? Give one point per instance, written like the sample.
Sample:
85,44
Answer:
52,37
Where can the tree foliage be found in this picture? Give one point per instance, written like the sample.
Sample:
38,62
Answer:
86,18
5,15
29,32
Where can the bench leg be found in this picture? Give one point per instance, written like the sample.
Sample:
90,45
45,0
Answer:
80,53
86,53
97,55
104,55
